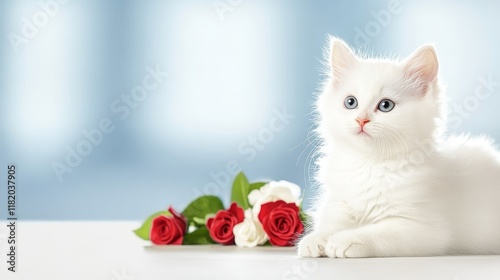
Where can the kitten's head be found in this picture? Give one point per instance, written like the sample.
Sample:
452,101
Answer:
376,103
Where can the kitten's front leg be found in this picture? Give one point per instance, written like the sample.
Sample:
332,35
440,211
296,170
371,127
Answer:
348,244
329,220
395,237
313,244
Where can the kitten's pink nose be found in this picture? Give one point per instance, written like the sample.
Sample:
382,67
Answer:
362,122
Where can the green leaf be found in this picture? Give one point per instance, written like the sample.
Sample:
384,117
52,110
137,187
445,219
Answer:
305,218
198,237
256,186
199,221
201,207
267,244
143,231
240,190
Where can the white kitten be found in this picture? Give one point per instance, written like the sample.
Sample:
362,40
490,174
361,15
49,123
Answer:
391,183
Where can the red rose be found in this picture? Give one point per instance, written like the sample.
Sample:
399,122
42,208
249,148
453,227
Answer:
168,230
281,222
221,226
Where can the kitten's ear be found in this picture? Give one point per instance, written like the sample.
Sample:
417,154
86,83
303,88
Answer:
422,65
342,59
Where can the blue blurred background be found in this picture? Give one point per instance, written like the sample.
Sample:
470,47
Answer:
241,81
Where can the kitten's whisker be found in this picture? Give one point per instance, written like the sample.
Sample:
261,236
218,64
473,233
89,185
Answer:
401,142
310,163
396,143
316,143
309,135
379,141
379,146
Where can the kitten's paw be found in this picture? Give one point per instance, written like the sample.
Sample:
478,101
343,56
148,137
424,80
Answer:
345,244
312,245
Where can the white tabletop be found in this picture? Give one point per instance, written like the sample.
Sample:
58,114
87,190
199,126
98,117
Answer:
111,251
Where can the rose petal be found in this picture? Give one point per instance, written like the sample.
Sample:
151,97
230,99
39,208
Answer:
165,231
237,212
281,222
221,225
209,223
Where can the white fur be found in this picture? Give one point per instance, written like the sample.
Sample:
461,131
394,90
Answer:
407,190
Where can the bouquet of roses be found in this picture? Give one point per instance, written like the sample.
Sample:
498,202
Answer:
260,213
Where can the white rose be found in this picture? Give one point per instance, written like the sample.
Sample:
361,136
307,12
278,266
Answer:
274,191
250,232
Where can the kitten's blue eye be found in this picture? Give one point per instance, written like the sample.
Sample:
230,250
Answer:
351,102
386,105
